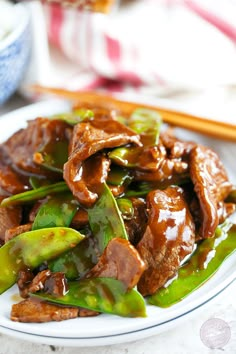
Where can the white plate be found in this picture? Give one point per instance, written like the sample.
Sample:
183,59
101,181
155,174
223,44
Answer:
108,329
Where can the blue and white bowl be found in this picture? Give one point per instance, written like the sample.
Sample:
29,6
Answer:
14,50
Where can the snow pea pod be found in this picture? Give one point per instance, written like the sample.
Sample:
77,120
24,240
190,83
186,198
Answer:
76,116
59,211
126,208
49,158
56,211
206,260
105,295
145,122
32,248
119,176
37,182
78,261
39,193
142,188
105,219
106,223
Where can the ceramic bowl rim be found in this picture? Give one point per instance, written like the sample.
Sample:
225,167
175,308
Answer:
24,16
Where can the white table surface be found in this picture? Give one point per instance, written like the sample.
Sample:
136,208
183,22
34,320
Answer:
180,340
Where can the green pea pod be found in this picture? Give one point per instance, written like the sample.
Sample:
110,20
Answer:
147,123
126,156
105,295
76,116
206,260
119,176
51,159
126,208
105,222
32,248
142,188
56,211
78,261
37,182
59,211
105,219
35,194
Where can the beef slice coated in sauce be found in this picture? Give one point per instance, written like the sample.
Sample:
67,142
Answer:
23,146
168,238
120,260
90,137
211,185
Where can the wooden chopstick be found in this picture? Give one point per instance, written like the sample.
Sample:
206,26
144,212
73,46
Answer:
216,129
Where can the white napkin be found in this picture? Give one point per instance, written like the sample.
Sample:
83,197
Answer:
148,46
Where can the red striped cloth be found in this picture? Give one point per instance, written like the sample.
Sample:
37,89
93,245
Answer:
150,46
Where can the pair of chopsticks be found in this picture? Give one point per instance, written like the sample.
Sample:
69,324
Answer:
216,129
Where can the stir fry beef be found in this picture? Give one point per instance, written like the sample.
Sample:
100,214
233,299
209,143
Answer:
211,185
167,168
94,172
136,226
32,310
120,260
10,217
88,138
25,277
11,182
172,160
51,283
17,230
38,282
176,148
168,238
56,284
23,147
225,210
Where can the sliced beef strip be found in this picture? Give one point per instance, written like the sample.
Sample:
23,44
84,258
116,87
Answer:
40,132
56,284
25,277
225,210
172,160
116,190
38,282
167,170
89,184
168,238
51,283
9,217
148,158
88,138
17,230
11,182
120,260
136,226
176,147
31,310
211,185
